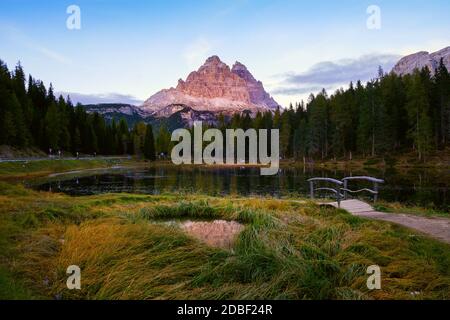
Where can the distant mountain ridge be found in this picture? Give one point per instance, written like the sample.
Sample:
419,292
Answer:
117,111
173,117
422,59
215,88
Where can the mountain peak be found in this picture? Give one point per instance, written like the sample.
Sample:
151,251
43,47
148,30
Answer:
238,66
213,59
213,63
422,59
242,71
216,88
443,51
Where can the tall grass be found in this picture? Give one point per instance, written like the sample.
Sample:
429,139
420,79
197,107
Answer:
288,250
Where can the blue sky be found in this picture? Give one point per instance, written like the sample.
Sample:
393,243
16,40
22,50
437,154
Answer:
127,50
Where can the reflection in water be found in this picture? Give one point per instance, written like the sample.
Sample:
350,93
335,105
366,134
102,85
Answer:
419,186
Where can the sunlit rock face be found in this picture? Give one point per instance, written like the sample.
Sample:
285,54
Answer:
255,88
422,59
216,88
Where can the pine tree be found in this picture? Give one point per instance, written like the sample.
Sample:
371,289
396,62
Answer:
163,143
285,134
418,114
138,134
300,140
318,131
114,146
52,127
246,121
258,121
277,119
25,115
123,138
369,121
76,142
99,126
442,114
341,118
92,139
236,121
268,120
64,138
149,144
8,131
6,121
19,135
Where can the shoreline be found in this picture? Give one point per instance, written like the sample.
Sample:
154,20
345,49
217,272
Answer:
31,168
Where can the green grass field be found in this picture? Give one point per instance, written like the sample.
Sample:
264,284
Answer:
396,207
288,250
44,167
14,170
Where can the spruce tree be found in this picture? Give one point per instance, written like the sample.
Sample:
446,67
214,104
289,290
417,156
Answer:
138,134
52,128
149,144
285,134
318,132
417,106
123,137
163,143
442,118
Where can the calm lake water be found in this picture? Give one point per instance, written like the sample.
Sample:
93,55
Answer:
422,187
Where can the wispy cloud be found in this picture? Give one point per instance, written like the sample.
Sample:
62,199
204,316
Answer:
51,54
332,74
295,90
18,37
100,98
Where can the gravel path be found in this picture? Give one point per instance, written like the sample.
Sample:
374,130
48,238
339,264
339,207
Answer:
438,228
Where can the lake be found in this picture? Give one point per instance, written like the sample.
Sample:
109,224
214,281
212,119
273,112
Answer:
423,187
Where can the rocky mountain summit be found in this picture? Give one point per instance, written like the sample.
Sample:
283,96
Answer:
422,59
215,88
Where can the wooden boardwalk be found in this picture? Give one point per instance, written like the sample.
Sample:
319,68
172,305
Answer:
438,228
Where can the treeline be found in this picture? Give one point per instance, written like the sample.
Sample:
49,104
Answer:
389,114
31,116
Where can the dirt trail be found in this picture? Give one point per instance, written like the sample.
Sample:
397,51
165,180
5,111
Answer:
438,228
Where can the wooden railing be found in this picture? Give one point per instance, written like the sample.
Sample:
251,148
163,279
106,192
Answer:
373,191
342,186
336,190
